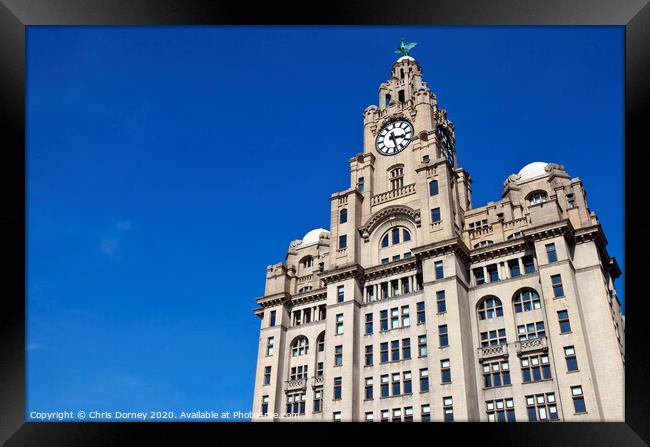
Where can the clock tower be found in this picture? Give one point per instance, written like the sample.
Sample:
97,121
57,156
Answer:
415,305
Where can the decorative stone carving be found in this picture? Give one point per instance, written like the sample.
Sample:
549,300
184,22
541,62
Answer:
395,211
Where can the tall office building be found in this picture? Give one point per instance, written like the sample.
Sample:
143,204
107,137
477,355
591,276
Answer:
415,305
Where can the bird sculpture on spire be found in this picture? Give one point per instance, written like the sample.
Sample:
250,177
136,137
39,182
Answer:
405,47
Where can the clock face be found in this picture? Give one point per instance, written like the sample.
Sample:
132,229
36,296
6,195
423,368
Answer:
445,144
394,137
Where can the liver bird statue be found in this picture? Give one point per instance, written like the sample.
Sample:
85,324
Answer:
405,47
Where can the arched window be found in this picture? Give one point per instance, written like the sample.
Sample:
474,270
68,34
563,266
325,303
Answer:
300,347
516,235
308,261
433,187
483,244
343,215
489,307
527,300
320,342
394,236
537,197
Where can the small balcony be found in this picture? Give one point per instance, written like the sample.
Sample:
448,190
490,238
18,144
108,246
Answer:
489,352
296,384
532,345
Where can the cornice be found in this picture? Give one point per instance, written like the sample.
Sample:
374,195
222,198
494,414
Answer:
272,300
342,273
309,297
454,245
392,268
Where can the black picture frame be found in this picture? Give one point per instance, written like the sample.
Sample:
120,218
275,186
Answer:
15,15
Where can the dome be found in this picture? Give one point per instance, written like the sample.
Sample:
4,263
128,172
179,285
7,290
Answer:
531,170
313,236
405,58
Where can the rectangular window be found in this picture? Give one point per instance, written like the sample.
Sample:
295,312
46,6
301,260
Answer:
406,317
496,374
422,346
541,407
397,415
426,413
493,272
571,360
396,258
385,415
369,388
433,188
424,380
368,324
361,185
383,320
421,314
395,382
394,287
408,414
384,385
272,323
494,337
578,399
406,285
369,355
513,264
440,300
267,375
338,355
535,368
571,201
531,331
343,242
445,371
385,260
529,264
336,416
338,385
500,410
369,416
340,294
558,290
439,270
265,405
318,401
296,403
406,348
394,350
319,369
339,324
478,274
408,386
448,408
383,352
565,325
394,318
269,346
550,252
435,215
443,336
321,345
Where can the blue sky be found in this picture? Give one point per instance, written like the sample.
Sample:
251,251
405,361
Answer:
167,167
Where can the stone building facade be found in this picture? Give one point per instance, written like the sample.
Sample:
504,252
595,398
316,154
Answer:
415,305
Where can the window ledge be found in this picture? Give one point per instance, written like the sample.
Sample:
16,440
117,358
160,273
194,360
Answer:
573,372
